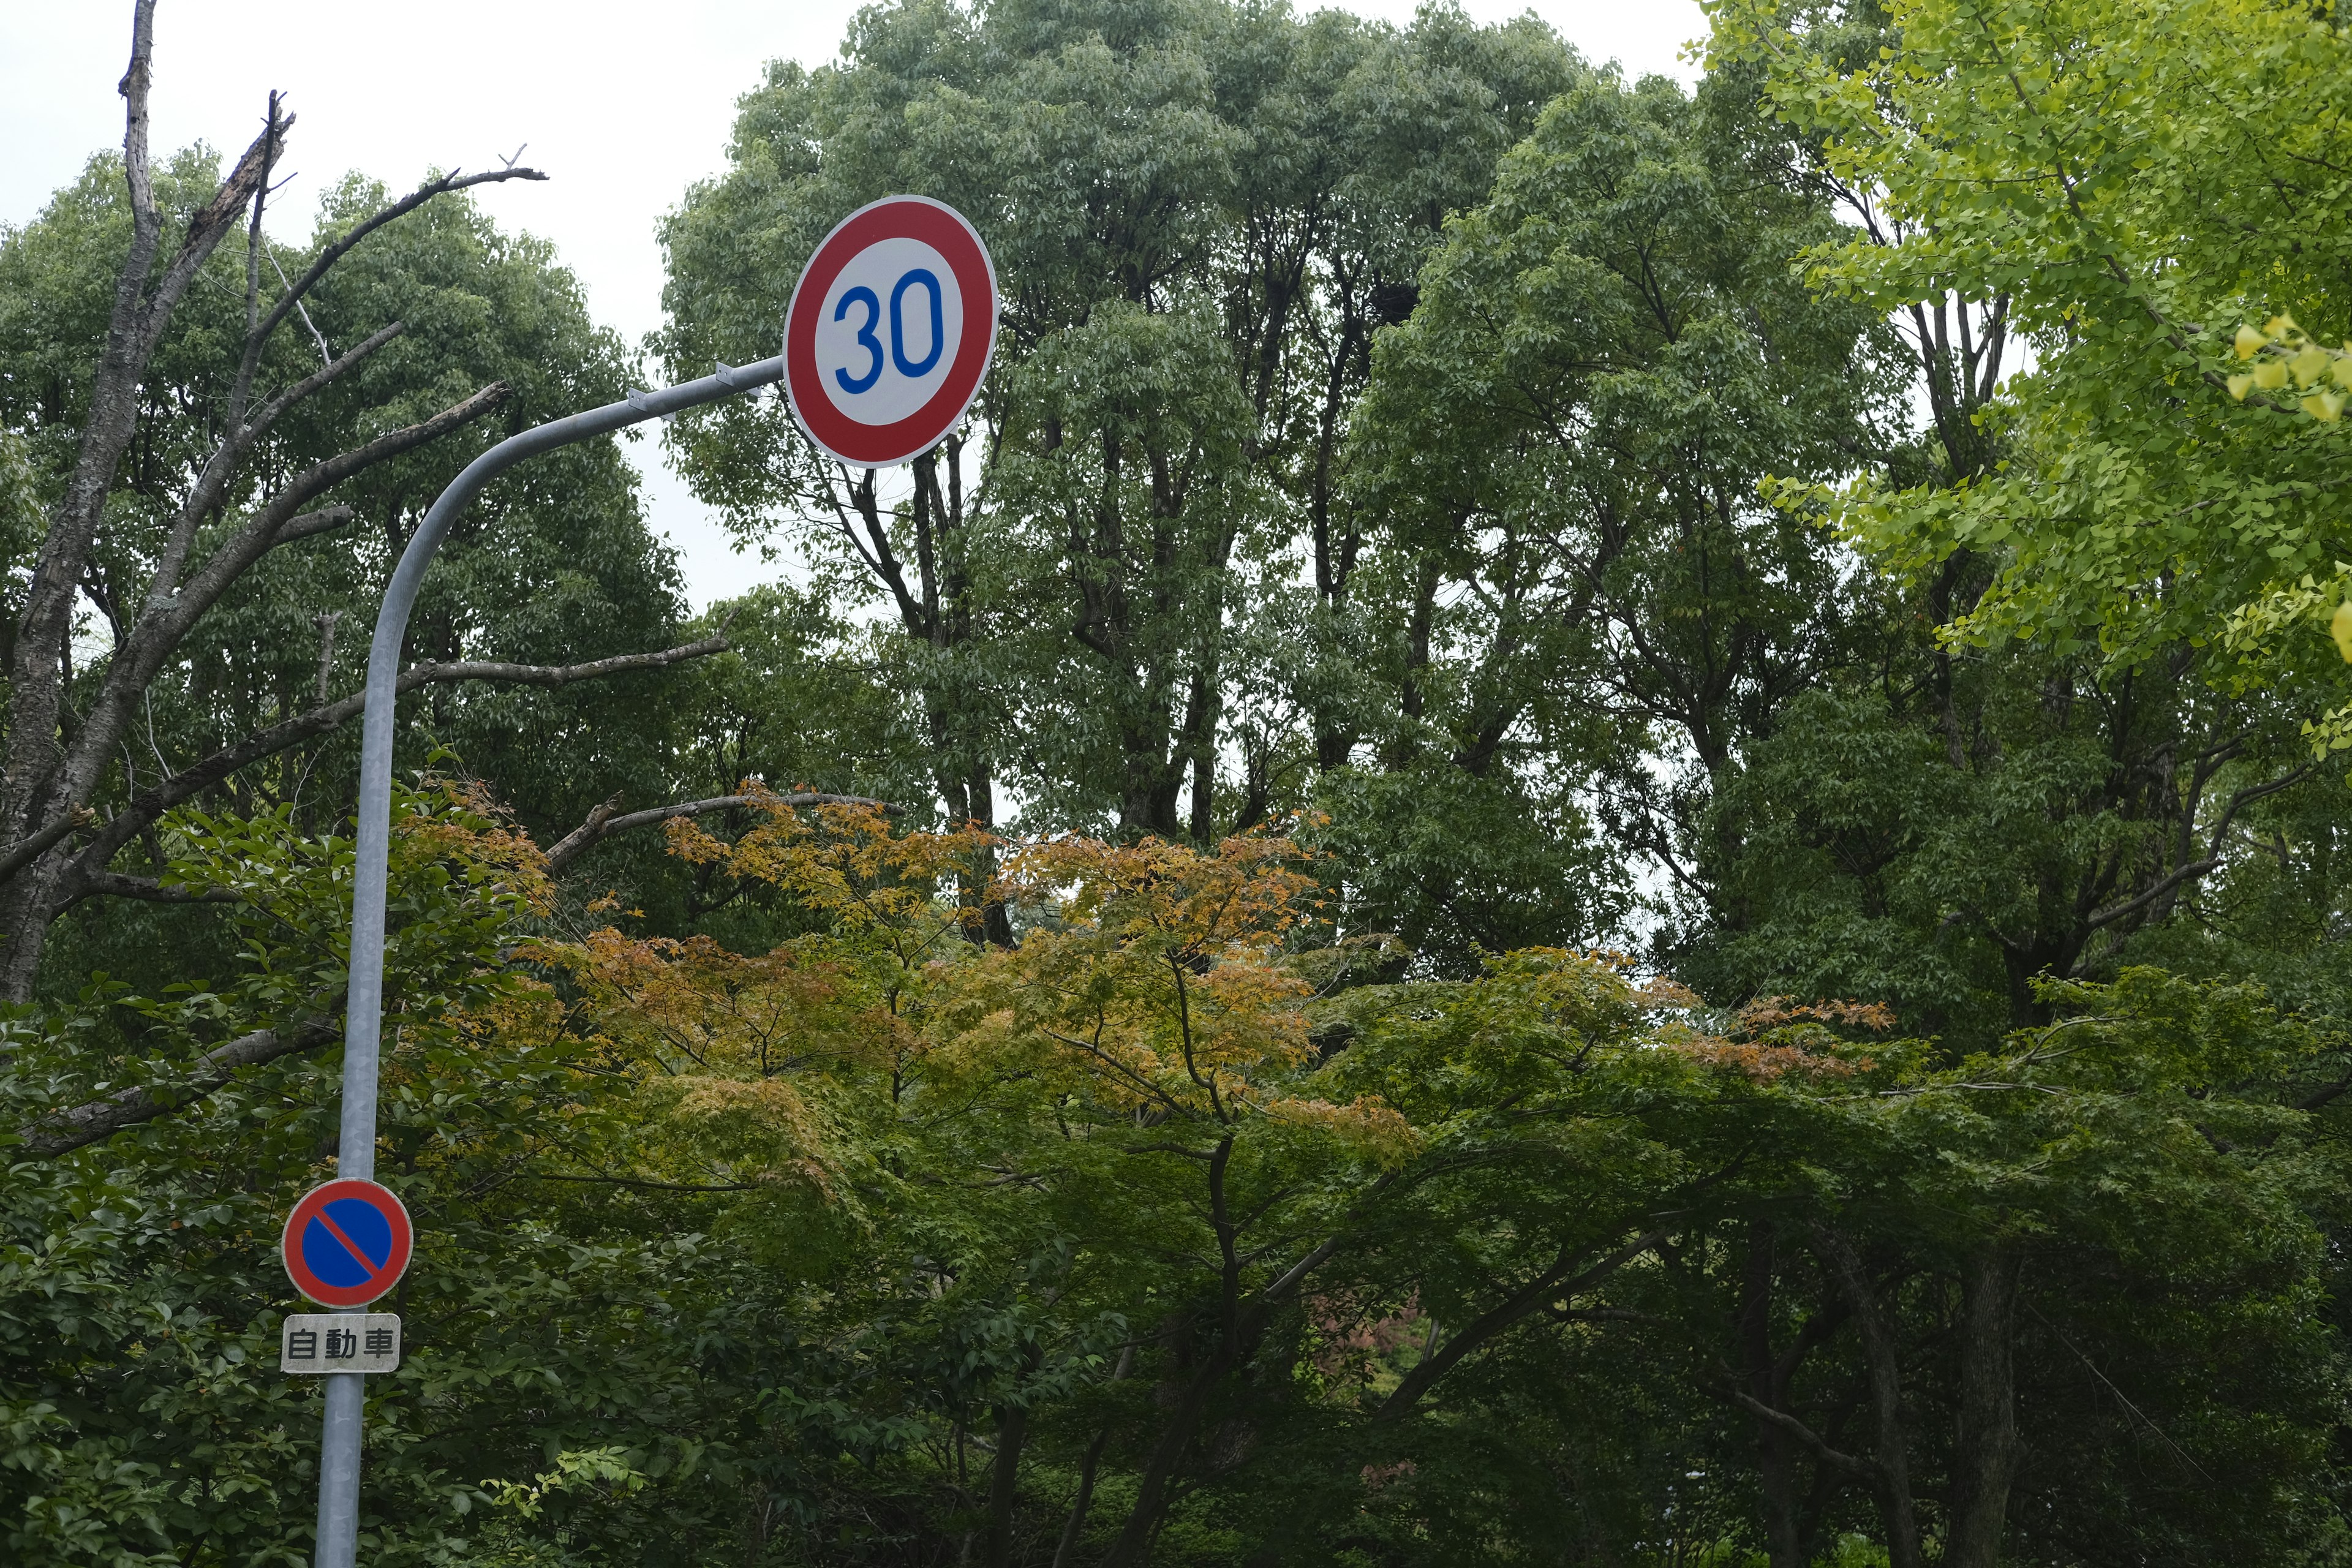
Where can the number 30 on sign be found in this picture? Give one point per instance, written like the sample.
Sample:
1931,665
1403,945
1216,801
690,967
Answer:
889,332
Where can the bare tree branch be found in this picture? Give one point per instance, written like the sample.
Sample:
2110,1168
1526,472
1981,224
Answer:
326,520
159,631
206,228
136,79
202,775
560,674
326,354
114,884
251,542
1860,1469
241,391
56,759
31,849
221,466
2195,868
368,226
34,792
1553,1282
572,844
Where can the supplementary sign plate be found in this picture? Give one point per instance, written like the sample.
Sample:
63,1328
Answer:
340,1341
889,332
346,1243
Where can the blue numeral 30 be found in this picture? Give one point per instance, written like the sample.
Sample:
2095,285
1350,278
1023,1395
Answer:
911,369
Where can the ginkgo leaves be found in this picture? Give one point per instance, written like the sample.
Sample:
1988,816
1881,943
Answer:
2281,352
2284,355
2081,162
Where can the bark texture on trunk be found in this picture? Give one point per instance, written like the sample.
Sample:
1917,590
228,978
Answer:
1775,1458
1004,1482
1890,1435
1985,1446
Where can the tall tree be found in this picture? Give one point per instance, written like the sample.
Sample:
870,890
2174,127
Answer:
1588,602
1200,215
2135,215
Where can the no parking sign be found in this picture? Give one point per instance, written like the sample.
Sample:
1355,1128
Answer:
889,331
347,1242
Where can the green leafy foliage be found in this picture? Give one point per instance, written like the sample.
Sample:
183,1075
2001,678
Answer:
1200,215
1564,444
2136,182
1388,552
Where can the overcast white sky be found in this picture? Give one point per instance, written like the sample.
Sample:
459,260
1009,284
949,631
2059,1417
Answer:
625,105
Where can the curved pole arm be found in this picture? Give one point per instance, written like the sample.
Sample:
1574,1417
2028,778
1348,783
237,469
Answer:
340,1466
363,1017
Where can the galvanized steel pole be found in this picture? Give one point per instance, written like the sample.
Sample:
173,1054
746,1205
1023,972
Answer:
339,1467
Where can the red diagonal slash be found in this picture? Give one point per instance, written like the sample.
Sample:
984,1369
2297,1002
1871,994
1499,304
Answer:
361,1258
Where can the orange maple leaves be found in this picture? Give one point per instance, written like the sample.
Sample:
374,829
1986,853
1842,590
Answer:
1152,979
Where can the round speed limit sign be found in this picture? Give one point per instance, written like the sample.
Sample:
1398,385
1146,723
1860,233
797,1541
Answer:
889,331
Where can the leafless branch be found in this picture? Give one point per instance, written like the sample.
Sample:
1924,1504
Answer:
221,466
2195,868
55,757
114,884
31,849
326,620
326,354
33,793
326,520
368,226
241,392
203,775
559,674
160,627
258,535
1553,1283
1860,1469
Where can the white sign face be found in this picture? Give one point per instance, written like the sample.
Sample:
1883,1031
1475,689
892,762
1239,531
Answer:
339,1341
889,330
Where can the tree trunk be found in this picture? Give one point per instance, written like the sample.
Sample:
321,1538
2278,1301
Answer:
1077,1526
1133,1547
1776,1465
45,625
1890,1439
1984,1436
1004,1482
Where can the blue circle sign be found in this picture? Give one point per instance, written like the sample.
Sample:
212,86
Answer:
347,1242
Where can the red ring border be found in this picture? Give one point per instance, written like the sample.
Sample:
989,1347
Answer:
403,1242
950,234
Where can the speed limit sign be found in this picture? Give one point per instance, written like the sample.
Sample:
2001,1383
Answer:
889,331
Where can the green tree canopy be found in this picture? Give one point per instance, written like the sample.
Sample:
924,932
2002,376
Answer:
2133,183
1200,215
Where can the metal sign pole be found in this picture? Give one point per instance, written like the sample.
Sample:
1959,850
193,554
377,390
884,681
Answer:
338,1465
